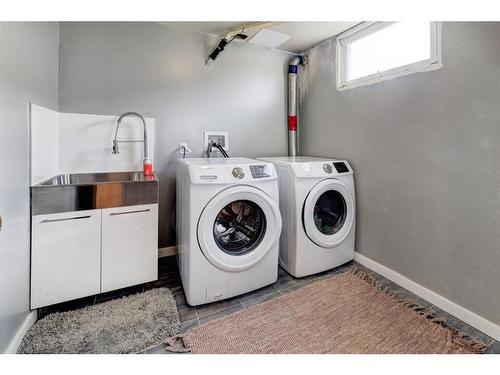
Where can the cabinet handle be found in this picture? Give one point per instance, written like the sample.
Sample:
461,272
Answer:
129,212
65,219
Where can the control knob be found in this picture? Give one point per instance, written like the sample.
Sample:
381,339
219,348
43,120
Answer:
238,173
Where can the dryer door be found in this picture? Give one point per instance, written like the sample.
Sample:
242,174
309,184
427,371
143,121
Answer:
238,227
328,213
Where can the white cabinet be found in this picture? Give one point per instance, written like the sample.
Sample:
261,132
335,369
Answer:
129,246
65,256
82,253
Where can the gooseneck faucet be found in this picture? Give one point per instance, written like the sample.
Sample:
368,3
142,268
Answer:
145,140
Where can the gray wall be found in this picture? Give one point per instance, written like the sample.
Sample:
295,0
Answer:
425,151
28,73
110,68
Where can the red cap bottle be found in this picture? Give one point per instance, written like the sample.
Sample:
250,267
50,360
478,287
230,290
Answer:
147,168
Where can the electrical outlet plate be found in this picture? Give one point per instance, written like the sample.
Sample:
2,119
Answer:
221,138
184,148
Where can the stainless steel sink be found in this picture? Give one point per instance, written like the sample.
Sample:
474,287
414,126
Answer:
86,191
96,178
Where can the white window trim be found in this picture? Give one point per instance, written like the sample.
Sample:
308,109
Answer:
358,31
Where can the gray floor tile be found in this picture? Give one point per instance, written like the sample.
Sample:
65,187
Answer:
287,282
215,307
282,272
178,291
465,328
258,293
186,313
220,314
160,349
261,298
292,287
494,348
187,325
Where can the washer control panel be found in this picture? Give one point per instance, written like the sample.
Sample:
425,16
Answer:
260,171
238,172
228,170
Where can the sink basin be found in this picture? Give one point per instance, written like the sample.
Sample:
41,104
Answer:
96,178
88,191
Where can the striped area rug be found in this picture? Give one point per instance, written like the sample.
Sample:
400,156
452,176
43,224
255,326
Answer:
346,313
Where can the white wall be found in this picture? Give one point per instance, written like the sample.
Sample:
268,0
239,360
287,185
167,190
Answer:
86,143
81,143
28,73
44,126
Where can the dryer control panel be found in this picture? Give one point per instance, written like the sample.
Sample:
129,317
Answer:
322,168
341,167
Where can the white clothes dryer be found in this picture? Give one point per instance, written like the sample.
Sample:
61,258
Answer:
318,208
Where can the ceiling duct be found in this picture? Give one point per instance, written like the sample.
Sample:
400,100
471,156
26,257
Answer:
240,33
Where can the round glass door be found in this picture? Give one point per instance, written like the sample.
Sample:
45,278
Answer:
239,227
330,212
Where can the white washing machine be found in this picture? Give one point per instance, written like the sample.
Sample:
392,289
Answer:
317,204
228,227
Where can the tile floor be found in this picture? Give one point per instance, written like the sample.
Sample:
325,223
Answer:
192,316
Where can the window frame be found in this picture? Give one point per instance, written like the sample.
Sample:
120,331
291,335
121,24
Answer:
366,28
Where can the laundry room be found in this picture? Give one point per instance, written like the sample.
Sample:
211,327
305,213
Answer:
249,184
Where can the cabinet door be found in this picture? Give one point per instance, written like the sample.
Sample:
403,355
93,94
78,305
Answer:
65,256
129,246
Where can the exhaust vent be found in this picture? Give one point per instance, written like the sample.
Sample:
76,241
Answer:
269,38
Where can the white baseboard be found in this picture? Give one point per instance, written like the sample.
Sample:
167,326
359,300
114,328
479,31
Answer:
167,251
474,320
27,324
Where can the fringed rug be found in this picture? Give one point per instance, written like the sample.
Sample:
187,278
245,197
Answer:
346,313
124,325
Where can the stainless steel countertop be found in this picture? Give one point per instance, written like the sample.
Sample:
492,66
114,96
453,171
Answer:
87,191
96,178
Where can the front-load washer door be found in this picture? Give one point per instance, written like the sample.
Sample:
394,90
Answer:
328,213
238,227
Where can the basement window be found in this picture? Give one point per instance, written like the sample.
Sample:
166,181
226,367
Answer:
375,51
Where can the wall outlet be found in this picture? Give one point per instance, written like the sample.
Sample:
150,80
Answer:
184,148
221,138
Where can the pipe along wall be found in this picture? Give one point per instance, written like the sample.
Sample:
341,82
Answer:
293,67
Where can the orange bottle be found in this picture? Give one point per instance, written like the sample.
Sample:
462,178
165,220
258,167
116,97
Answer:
147,168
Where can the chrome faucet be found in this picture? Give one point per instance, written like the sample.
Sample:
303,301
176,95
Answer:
145,140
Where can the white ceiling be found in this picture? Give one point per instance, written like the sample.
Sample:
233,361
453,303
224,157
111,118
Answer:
304,35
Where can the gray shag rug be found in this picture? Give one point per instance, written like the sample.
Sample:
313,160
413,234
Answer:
126,325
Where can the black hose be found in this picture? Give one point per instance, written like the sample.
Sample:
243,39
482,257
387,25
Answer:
219,48
221,149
